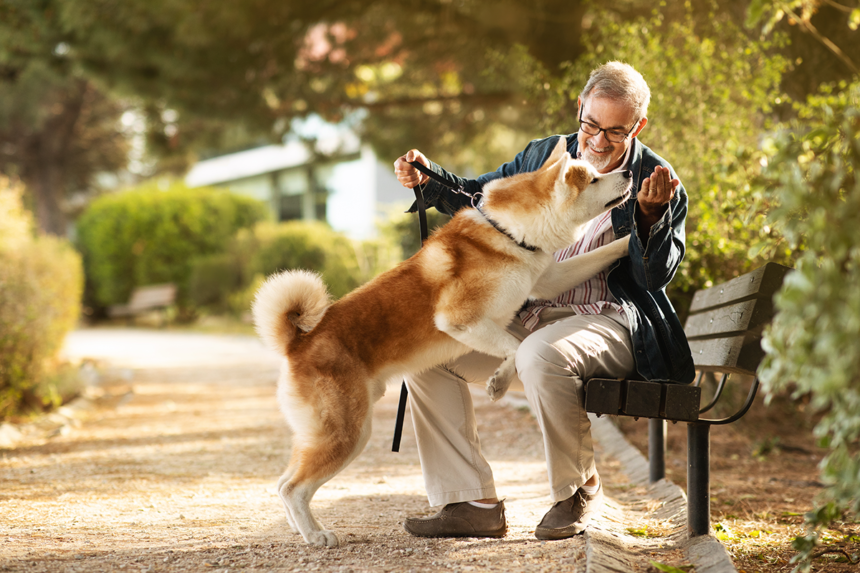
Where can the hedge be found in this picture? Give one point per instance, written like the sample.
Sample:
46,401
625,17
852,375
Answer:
41,282
149,236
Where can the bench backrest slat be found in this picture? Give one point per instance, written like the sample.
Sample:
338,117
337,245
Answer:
739,354
749,315
760,283
726,321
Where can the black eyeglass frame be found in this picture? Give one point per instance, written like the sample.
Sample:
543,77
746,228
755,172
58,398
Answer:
606,132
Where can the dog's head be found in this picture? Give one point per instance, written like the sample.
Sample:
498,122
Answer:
550,207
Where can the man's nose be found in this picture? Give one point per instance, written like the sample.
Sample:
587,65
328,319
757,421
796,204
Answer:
600,139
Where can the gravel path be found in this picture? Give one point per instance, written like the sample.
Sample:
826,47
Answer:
173,468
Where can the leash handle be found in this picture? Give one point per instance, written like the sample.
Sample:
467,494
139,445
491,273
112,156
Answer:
441,181
432,174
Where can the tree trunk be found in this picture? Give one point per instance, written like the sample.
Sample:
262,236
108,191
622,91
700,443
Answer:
44,173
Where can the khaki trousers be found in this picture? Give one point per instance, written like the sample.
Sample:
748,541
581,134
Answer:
552,363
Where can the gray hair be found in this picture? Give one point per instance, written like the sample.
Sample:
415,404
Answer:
620,83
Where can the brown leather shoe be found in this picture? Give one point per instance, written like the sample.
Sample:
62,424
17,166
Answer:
571,516
460,520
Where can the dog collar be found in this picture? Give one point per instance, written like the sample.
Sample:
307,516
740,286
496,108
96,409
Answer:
497,227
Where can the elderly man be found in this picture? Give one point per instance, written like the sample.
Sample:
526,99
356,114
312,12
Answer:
617,324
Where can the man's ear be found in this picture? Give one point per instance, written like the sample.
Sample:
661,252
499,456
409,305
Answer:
640,127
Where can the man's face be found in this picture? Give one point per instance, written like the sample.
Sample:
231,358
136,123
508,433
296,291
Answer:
603,154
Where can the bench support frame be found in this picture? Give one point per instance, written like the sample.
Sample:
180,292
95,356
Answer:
698,479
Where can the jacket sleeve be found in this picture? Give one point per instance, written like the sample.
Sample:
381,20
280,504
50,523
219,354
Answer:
654,264
448,201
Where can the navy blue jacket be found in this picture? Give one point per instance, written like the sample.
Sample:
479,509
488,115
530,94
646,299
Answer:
639,281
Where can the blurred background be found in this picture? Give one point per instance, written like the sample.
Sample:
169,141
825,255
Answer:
199,145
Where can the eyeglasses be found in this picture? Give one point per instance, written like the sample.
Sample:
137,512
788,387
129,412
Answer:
613,135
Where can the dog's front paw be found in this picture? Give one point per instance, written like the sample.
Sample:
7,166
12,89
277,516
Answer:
322,538
500,381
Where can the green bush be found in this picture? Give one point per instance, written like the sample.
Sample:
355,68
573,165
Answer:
149,236
213,279
813,344
270,248
229,280
41,281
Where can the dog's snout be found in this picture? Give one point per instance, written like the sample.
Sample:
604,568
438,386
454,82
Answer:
628,174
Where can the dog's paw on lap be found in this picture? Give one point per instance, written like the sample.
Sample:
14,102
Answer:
500,381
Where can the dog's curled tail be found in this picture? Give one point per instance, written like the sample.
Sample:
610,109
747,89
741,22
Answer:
288,302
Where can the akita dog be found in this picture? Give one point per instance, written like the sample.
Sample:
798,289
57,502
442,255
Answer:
455,295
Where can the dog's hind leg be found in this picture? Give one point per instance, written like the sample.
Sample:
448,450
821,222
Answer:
311,467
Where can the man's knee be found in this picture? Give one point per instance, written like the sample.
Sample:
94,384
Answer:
537,357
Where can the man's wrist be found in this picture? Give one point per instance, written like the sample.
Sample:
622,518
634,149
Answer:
652,214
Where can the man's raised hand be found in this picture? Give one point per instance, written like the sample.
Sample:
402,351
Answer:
656,192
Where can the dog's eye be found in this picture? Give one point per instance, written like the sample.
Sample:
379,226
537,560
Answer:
594,180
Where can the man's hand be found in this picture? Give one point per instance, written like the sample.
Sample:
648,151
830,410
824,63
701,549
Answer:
655,194
407,175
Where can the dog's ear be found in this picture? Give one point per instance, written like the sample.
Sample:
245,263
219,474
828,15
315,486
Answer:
558,152
578,176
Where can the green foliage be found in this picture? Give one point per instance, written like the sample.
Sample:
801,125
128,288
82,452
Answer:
213,279
41,281
229,280
149,236
711,89
314,246
814,341
768,13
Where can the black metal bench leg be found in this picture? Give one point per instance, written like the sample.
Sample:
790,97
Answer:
698,478
656,449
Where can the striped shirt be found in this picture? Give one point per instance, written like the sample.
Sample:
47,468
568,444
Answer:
589,297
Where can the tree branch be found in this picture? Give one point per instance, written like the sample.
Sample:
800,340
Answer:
823,552
838,6
824,40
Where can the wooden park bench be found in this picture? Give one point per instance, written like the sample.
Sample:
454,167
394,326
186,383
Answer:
724,330
145,299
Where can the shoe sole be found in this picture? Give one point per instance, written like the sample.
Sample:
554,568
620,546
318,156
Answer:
442,534
562,533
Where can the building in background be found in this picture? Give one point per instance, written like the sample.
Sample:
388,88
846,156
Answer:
335,179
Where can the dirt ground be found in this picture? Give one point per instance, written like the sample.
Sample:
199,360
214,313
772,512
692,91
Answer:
173,468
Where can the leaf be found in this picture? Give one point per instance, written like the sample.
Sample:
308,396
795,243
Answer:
670,569
854,19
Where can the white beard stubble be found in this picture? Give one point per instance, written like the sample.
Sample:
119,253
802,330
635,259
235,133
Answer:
599,162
